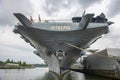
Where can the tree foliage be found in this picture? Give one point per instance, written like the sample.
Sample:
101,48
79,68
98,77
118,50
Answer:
19,62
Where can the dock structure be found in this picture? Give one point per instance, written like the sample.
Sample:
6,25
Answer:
104,63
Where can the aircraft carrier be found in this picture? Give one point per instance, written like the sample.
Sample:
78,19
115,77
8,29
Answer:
61,43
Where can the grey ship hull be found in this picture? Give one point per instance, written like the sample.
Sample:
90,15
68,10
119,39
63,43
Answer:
48,42
44,40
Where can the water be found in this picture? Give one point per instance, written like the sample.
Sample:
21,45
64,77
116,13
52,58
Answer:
22,74
42,74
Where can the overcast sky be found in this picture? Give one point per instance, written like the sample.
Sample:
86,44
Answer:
13,47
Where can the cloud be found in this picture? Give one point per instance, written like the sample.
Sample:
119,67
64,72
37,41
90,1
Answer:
114,8
54,6
8,7
87,3
12,40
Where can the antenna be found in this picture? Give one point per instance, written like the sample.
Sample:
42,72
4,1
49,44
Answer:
83,13
31,19
39,18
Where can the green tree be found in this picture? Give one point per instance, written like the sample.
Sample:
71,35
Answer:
20,63
1,63
11,61
24,64
8,61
